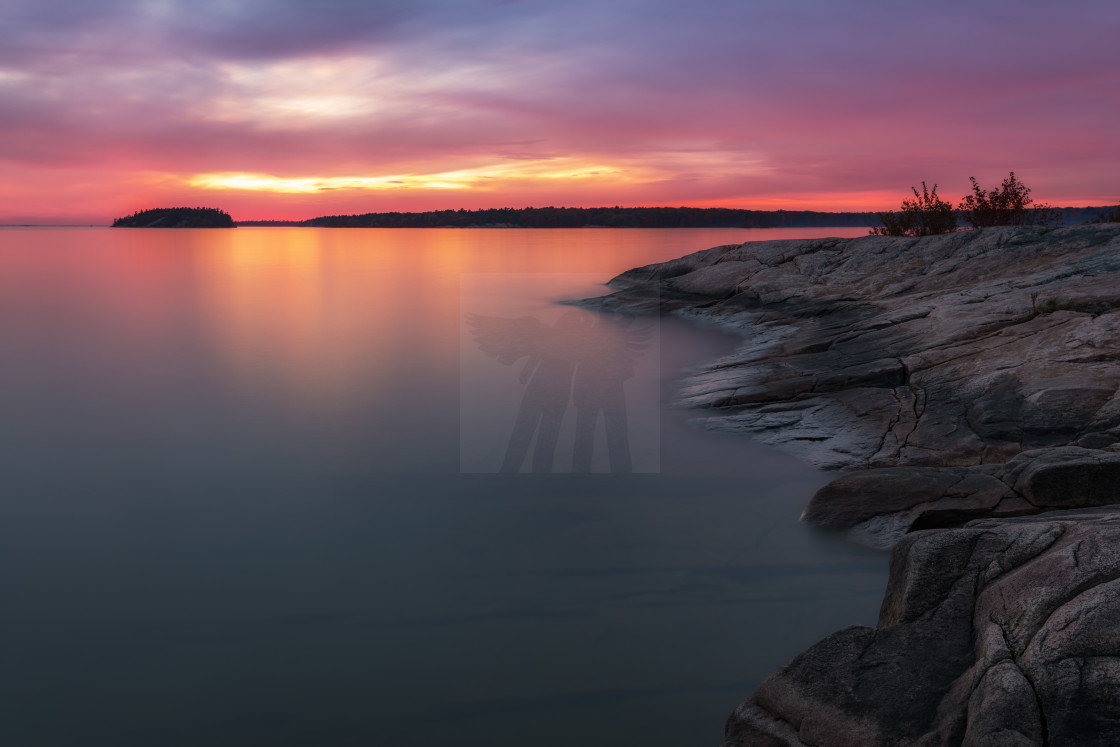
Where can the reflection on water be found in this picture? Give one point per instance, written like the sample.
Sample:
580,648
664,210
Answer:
241,498
581,361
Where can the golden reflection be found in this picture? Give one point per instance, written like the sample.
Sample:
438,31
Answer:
316,319
264,304
311,316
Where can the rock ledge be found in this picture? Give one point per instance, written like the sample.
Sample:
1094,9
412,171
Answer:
966,386
930,363
1003,632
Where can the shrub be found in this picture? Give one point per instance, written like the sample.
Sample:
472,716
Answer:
925,215
1010,205
1112,216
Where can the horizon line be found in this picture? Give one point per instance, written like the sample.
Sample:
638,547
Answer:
85,224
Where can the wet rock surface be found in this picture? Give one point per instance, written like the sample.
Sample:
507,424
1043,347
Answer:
966,386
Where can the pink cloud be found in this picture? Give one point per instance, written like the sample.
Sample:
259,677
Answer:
813,103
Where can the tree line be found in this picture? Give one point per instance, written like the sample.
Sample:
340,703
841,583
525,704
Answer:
606,217
926,214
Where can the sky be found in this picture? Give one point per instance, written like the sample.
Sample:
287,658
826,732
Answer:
289,109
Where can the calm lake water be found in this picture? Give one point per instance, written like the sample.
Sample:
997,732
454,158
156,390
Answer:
290,486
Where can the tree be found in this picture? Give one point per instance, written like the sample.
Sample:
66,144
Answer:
925,215
1010,205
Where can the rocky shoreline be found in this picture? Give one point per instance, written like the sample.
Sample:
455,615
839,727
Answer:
966,388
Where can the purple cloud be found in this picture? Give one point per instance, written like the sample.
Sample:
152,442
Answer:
710,101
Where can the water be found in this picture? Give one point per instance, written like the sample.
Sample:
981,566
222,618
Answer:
251,492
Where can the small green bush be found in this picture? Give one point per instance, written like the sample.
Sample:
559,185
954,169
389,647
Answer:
925,215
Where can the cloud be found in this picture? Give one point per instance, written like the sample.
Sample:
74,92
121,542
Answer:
717,101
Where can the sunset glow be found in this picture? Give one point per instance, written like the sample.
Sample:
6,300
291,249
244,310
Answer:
285,110
469,179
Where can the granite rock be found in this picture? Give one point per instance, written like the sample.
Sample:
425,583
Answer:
967,387
947,355
878,506
1003,632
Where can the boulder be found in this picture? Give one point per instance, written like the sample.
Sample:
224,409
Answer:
1003,632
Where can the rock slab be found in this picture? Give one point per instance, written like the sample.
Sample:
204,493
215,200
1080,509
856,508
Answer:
968,386
951,353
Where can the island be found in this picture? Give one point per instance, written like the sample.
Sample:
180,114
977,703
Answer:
966,388
177,217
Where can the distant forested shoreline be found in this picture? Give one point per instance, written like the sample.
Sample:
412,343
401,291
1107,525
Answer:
619,217
600,217
553,217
